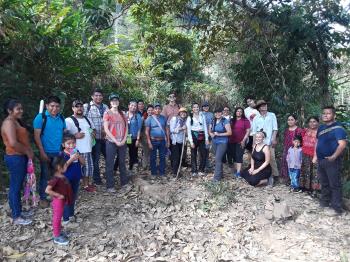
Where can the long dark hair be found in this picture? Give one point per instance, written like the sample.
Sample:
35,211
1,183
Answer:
234,117
10,105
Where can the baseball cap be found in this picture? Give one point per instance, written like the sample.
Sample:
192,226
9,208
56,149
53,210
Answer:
113,96
77,102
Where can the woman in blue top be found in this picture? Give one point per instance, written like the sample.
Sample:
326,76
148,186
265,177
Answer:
219,130
133,139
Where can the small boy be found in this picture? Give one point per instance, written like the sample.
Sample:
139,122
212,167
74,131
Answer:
294,160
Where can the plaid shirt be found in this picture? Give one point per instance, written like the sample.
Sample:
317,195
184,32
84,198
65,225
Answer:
95,117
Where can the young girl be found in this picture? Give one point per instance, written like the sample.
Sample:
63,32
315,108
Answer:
73,173
60,190
294,159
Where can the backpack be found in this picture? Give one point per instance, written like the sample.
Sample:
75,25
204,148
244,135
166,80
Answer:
44,117
76,122
89,107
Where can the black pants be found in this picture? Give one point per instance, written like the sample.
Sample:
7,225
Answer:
330,178
199,145
175,157
132,153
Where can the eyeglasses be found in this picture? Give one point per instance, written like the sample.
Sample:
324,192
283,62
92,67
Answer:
79,106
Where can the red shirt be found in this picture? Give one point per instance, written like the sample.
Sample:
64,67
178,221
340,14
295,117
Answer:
239,129
62,186
116,124
309,142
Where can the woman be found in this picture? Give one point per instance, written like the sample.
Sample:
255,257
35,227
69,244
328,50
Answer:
240,127
197,133
18,151
178,136
308,177
134,127
219,130
116,128
260,169
292,131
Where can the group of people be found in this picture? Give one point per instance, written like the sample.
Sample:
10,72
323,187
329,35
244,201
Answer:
70,148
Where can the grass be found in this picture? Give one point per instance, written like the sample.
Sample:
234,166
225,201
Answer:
221,195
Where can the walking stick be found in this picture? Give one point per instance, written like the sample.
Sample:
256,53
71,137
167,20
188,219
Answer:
182,152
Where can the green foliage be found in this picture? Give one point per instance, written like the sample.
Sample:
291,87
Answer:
221,195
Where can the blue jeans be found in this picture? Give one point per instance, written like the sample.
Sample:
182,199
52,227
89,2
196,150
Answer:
294,175
220,151
17,166
159,146
45,174
69,209
99,147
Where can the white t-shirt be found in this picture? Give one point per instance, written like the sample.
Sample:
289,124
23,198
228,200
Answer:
84,145
250,113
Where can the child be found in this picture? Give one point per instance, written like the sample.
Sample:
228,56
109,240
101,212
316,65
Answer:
294,159
61,192
73,173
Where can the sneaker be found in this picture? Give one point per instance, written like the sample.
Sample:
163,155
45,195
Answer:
333,212
111,190
44,203
61,240
125,189
22,221
238,175
27,214
65,234
65,222
201,174
194,174
89,189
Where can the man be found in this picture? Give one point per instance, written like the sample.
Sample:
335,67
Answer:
141,109
83,130
267,121
156,132
94,112
331,143
134,128
250,112
49,127
209,116
171,109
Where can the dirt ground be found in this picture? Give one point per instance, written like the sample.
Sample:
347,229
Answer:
184,220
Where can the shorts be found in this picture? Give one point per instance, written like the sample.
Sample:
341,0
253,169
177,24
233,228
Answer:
88,169
249,145
237,153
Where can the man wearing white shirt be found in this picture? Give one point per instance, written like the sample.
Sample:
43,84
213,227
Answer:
83,130
267,122
250,112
